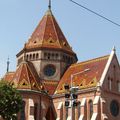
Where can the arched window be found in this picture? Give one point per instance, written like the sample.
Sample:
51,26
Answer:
56,55
71,60
90,108
22,114
49,55
45,55
68,60
33,56
35,111
53,55
50,115
30,57
37,56
63,57
27,57
110,84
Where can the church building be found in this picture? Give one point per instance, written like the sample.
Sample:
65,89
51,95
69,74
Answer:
54,86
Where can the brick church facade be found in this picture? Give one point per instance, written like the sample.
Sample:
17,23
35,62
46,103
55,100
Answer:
45,65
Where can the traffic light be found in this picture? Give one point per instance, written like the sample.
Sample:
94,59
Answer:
67,95
74,96
75,103
67,103
66,86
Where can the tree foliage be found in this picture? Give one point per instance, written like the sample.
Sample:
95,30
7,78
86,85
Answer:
10,101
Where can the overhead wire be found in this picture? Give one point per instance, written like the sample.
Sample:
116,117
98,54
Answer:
95,13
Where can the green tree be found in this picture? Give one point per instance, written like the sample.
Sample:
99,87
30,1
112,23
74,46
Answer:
10,101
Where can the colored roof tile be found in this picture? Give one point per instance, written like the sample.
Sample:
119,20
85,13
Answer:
50,86
85,74
9,76
25,78
48,35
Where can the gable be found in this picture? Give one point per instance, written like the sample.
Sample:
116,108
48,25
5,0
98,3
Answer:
112,77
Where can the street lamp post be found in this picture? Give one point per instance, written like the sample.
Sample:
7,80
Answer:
72,92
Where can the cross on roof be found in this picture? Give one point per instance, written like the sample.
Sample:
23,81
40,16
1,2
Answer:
49,6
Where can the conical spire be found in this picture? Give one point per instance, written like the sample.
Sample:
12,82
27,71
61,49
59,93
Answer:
48,35
25,79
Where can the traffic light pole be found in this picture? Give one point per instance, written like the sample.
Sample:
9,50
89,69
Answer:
71,92
71,97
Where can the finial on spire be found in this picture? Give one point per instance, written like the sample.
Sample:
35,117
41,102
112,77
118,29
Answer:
8,63
49,6
114,49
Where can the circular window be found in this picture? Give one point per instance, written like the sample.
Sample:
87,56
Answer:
114,108
49,70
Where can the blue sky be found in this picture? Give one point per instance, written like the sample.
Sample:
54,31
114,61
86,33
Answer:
89,35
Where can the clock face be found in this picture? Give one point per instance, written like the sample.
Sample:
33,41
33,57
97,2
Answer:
49,70
114,108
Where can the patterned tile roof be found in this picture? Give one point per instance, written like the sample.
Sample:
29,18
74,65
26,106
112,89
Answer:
85,74
50,86
25,78
48,35
9,76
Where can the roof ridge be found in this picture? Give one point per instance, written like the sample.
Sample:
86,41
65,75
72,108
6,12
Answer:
33,76
52,18
27,67
19,74
90,60
44,28
55,21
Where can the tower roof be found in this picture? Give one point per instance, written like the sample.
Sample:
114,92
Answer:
25,78
48,35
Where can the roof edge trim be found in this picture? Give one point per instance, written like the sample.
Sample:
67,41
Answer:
107,67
